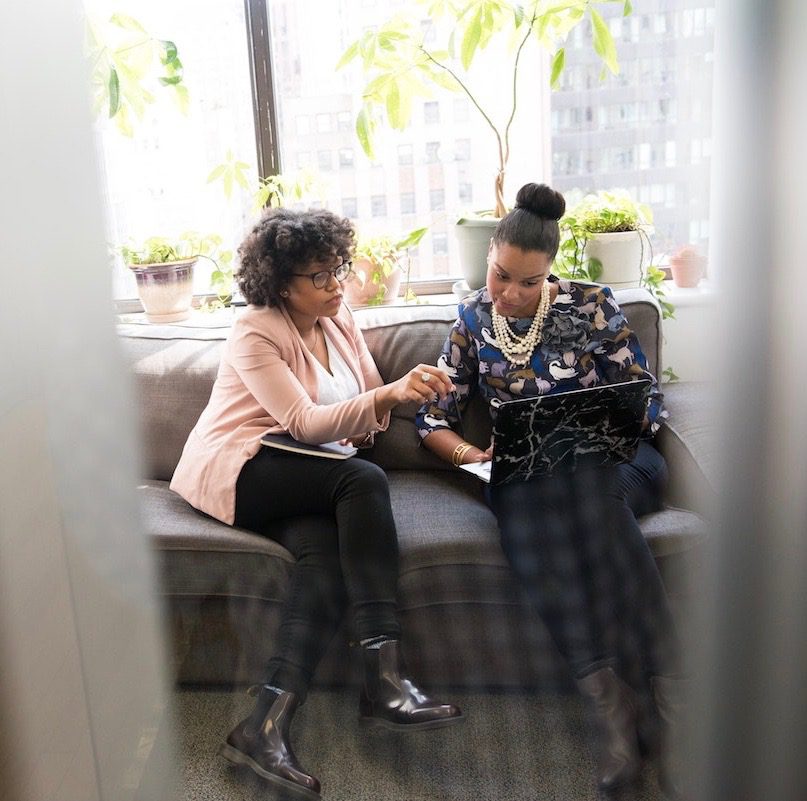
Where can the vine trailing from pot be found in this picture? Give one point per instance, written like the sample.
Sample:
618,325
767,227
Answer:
591,219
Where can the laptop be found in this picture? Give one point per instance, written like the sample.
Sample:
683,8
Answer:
559,433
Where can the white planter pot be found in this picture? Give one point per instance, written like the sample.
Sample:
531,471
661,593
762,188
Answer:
473,238
165,290
620,254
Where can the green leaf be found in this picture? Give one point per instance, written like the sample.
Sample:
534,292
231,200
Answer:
170,53
470,40
628,9
393,104
114,92
364,132
172,81
594,269
217,172
603,41
348,55
411,239
127,23
558,62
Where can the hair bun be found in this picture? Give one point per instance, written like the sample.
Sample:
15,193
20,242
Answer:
542,200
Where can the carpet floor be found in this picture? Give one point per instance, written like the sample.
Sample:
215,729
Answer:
511,747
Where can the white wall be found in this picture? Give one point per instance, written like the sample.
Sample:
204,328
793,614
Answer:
82,692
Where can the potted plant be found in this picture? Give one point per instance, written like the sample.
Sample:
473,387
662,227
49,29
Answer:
400,67
687,266
377,272
605,239
163,269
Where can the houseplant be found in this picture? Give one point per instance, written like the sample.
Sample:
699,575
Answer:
163,270
401,66
377,272
604,238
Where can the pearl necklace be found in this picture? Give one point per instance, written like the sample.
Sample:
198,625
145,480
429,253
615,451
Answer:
518,350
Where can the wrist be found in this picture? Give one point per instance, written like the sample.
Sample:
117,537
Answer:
460,454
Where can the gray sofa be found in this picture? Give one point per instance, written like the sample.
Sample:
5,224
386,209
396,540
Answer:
465,619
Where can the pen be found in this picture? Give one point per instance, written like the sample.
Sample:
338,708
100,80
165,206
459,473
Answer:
459,414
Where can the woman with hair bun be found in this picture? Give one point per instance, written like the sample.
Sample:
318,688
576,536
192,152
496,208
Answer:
572,539
296,362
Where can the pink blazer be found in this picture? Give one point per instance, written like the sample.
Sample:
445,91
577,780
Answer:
267,381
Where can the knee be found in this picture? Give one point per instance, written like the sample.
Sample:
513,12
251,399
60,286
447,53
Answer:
367,478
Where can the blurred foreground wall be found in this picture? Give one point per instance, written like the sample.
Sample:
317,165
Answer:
82,696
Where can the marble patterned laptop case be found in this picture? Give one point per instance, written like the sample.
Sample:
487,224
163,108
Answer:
559,433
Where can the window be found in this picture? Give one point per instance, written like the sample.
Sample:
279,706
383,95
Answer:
437,199
462,149
378,205
303,125
439,243
462,110
350,207
432,152
407,203
405,155
325,160
344,121
431,112
346,158
465,192
324,123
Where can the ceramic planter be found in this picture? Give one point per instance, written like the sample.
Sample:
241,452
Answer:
687,268
165,290
620,254
473,238
361,290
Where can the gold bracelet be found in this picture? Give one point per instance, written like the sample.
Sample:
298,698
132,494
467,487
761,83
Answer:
459,453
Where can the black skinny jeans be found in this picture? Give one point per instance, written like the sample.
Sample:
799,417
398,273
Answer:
344,540
575,546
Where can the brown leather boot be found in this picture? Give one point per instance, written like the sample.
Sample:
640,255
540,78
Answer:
615,716
670,695
391,700
261,743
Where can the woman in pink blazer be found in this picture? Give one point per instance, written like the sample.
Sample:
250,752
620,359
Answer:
296,362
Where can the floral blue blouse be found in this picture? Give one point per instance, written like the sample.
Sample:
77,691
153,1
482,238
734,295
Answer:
585,341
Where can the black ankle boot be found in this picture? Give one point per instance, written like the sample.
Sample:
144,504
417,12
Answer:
615,717
390,699
261,742
670,695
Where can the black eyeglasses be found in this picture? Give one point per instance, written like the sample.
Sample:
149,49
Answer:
320,280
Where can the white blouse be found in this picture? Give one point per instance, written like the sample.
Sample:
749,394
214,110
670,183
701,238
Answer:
340,384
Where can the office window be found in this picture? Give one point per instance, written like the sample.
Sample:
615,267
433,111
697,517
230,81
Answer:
324,123
407,203
432,152
462,149
346,157
439,243
303,125
462,110
350,207
378,205
465,192
437,199
344,121
405,155
325,160
431,112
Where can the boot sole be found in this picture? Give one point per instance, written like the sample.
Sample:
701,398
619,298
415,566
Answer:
237,757
380,723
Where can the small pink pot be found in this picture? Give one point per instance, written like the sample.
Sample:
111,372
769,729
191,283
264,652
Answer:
687,267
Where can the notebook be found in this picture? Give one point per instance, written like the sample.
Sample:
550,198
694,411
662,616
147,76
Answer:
549,434
328,450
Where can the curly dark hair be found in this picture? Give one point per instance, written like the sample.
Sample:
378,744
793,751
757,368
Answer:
285,241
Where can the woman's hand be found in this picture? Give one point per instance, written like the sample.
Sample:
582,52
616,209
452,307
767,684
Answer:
422,384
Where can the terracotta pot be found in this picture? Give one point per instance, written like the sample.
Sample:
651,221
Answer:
687,267
361,290
165,290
